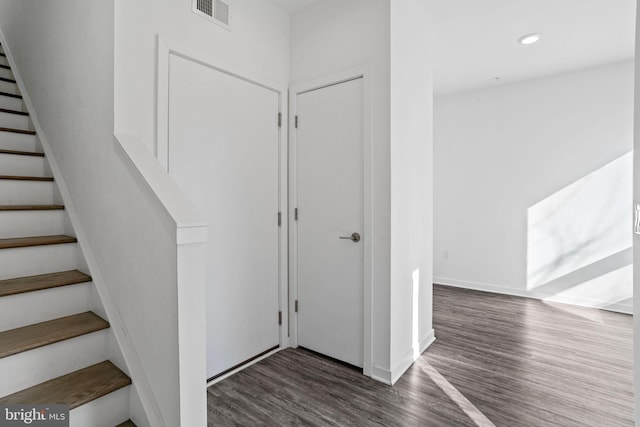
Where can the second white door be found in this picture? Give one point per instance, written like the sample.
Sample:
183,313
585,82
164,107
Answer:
330,196
224,153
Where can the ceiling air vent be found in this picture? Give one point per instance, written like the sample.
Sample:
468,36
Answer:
205,6
214,10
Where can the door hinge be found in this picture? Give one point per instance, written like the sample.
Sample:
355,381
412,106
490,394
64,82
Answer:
295,214
296,306
279,120
296,122
279,318
279,219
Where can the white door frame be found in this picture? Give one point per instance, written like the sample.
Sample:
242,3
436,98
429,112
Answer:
329,80
167,48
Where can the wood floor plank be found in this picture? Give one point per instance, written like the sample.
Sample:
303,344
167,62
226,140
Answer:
22,242
74,389
498,360
42,281
17,340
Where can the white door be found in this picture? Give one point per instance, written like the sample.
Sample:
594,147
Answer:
330,195
224,154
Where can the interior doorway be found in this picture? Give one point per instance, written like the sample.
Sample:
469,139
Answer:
329,219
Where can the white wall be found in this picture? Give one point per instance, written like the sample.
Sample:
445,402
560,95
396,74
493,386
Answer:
324,42
411,183
636,237
532,188
257,46
64,53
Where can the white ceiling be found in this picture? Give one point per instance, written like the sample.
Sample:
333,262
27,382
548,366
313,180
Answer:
476,40
293,6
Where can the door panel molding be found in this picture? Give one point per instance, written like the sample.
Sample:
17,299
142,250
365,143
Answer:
167,47
364,73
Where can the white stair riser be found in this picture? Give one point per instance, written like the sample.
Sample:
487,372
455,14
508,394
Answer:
20,165
26,369
7,74
11,103
21,262
16,192
17,141
8,87
26,309
14,121
3,61
31,223
108,411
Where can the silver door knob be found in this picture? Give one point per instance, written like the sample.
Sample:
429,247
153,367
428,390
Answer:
355,237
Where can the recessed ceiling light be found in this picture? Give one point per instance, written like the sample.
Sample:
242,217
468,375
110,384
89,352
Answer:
530,38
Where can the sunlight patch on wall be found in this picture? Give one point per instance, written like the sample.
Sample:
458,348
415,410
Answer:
579,238
604,290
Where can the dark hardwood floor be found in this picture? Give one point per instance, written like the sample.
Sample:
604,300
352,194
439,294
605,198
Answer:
497,361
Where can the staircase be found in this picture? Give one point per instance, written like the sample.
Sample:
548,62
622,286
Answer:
54,348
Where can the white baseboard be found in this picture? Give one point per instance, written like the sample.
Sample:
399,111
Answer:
401,367
583,302
381,374
390,377
426,342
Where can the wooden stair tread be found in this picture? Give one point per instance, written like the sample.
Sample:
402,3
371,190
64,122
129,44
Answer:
31,207
22,153
10,95
23,242
22,131
74,389
42,281
26,178
29,337
6,110
128,423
